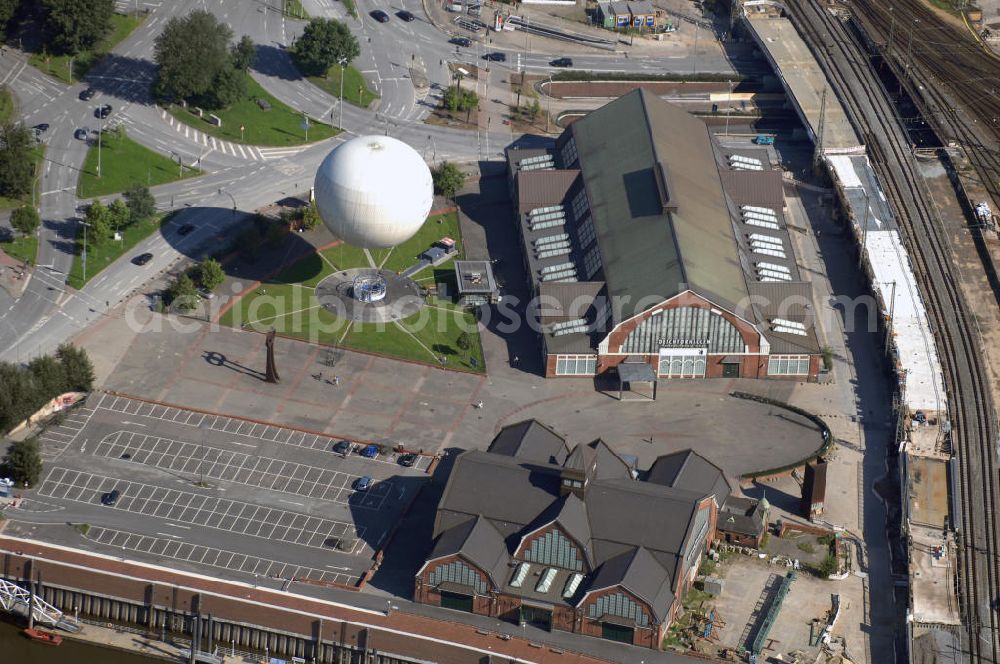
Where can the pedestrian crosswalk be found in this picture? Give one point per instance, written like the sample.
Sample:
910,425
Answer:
213,144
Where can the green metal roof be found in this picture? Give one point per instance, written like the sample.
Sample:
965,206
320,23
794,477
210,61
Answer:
657,202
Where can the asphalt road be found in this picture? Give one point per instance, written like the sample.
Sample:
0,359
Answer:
243,177
207,491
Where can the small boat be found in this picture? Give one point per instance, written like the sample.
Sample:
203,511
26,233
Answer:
42,636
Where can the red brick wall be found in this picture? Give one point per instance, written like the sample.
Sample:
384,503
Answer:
425,593
647,637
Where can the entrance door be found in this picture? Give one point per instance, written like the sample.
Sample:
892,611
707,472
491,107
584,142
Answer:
536,617
456,601
613,632
731,370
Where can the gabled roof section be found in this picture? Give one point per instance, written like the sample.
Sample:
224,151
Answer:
580,458
530,440
637,572
480,543
690,471
656,199
609,464
570,514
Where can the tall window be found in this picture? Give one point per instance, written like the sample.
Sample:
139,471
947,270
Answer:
580,204
681,365
788,365
576,365
684,326
585,232
569,154
556,550
458,572
591,263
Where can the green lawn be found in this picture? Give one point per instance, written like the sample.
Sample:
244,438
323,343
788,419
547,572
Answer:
59,65
356,90
7,104
280,125
38,155
294,9
23,248
286,302
100,257
124,163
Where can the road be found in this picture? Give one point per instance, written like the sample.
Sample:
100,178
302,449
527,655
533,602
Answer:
247,176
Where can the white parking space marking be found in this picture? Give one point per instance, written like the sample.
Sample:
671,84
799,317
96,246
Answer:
239,427
198,510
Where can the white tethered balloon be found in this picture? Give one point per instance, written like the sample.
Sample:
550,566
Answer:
374,191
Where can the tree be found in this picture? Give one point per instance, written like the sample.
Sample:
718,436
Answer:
310,217
77,25
25,219
48,375
78,371
118,214
17,168
464,341
229,86
141,204
7,10
191,51
447,179
244,53
324,42
24,462
534,109
99,222
182,294
210,274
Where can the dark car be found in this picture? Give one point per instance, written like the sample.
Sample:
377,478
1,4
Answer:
407,460
496,57
364,483
406,16
464,42
562,62
111,497
185,229
370,451
88,94
379,16
81,134
126,456
102,112
41,128
342,447
142,259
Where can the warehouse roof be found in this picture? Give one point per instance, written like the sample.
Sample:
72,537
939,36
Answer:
657,202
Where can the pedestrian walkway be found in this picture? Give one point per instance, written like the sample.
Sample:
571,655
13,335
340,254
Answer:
248,152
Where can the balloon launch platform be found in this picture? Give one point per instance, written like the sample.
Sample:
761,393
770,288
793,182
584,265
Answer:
369,295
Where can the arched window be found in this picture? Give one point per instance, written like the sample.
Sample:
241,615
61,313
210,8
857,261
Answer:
556,550
684,326
458,572
621,605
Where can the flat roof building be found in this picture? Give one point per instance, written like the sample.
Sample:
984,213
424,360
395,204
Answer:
644,240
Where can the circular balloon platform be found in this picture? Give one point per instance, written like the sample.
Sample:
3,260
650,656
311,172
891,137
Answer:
369,296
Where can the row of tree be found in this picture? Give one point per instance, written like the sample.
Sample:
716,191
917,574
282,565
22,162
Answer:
182,295
17,167
70,26
199,64
25,389
103,221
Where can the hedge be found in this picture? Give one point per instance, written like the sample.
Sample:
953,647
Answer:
824,430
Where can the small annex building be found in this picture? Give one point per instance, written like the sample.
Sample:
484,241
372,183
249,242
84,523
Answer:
643,240
571,539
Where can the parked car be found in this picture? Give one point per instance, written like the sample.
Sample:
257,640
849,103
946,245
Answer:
81,134
185,229
142,259
464,42
205,293
342,447
407,460
102,112
41,128
406,16
364,483
111,497
562,62
496,56
88,94
370,451
379,16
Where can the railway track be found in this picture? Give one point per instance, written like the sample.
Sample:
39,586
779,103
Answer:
970,405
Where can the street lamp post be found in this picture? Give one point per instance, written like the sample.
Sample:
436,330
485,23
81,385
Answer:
100,132
84,261
343,62
729,106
